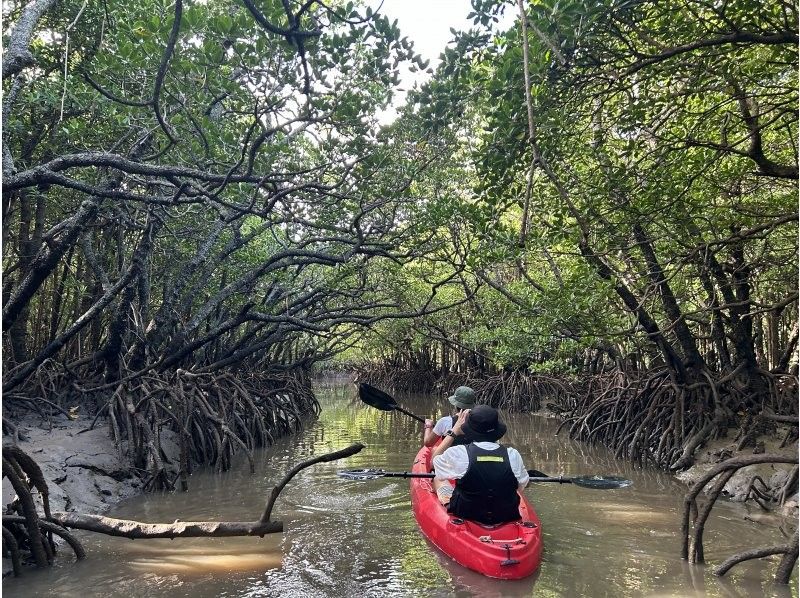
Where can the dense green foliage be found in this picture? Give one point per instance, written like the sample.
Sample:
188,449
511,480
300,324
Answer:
645,206
194,185
206,186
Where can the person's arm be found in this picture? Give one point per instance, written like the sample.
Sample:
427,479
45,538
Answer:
429,437
427,432
518,467
442,425
452,464
448,438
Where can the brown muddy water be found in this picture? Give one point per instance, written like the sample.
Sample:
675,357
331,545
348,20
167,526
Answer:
348,538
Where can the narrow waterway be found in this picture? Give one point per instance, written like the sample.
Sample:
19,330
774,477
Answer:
358,538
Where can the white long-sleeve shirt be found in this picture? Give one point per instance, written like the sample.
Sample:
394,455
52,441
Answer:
443,424
452,464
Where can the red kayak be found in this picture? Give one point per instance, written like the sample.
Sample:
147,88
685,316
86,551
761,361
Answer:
507,551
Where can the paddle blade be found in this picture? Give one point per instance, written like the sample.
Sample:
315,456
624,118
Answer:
360,474
374,397
598,482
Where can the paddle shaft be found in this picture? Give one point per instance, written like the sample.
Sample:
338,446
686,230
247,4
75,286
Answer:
409,474
594,482
409,414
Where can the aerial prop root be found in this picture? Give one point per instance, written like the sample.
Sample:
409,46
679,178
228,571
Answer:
692,545
213,416
23,527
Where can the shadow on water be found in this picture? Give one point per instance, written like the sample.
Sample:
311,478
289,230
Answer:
358,538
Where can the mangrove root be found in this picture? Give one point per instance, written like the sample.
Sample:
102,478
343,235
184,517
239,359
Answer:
692,547
27,528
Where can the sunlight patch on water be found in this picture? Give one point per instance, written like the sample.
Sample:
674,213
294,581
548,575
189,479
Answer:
205,563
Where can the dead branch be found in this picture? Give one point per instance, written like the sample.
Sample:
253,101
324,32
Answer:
179,529
195,529
346,452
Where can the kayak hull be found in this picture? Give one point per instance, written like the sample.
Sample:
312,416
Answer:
507,551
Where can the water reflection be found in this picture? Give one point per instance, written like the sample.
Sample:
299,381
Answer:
358,538
202,561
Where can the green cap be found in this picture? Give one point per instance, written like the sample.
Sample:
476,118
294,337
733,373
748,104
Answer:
463,398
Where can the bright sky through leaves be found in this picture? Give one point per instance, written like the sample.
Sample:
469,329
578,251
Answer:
427,23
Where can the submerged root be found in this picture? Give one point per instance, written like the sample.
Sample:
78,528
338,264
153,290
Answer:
694,517
784,571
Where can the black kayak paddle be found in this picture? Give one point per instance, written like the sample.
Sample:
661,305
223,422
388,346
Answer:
594,482
375,397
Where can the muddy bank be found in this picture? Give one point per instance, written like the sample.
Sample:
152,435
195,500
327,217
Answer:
737,489
83,469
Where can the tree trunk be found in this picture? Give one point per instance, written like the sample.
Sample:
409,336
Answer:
773,340
723,354
671,358
791,346
18,332
668,301
46,260
112,351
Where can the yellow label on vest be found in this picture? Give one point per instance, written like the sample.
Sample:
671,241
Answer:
489,458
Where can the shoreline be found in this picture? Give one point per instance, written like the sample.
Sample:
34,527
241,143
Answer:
84,471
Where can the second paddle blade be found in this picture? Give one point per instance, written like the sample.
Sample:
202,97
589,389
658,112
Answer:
361,474
601,482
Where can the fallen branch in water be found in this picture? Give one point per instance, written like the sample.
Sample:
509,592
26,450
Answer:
137,530
195,529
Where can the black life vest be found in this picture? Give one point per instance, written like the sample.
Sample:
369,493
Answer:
488,491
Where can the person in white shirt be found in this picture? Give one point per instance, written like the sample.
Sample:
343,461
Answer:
462,398
488,475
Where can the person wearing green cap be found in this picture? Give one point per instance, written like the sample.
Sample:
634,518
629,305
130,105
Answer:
462,398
